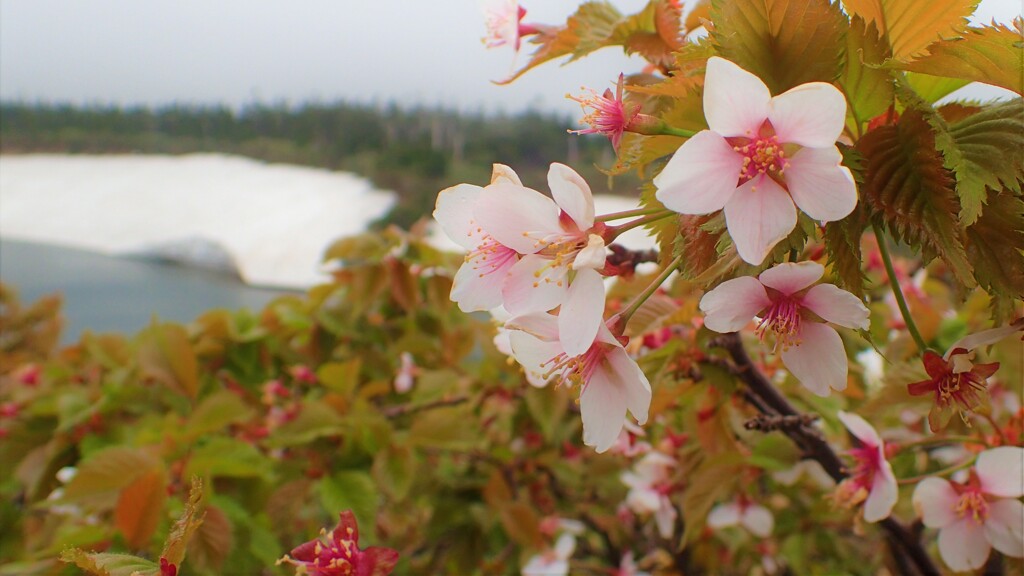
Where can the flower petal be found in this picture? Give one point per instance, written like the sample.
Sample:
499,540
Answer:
475,291
533,354
1005,527
724,515
733,304
883,495
935,502
454,212
603,409
643,500
837,306
820,187
759,214
860,428
518,217
736,102
634,383
701,176
582,313
665,519
819,361
791,277
811,114
533,285
1001,471
592,255
986,337
572,194
963,545
758,520
501,174
538,325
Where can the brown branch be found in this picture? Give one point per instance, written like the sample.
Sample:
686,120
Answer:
402,409
775,406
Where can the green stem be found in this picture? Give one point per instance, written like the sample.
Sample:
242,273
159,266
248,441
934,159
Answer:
627,214
681,132
943,472
615,231
941,440
625,315
883,248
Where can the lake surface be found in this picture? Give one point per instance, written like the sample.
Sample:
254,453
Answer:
113,294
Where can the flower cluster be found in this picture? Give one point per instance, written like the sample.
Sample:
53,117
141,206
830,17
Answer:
337,553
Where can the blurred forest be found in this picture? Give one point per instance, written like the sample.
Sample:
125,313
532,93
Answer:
414,152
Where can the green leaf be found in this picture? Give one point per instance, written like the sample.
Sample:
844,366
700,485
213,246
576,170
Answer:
995,244
166,355
226,457
842,244
907,186
394,468
547,406
784,42
868,89
988,148
589,29
340,377
315,420
912,25
351,490
933,88
445,428
103,564
989,54
216,412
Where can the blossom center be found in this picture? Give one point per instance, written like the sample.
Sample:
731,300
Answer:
972,504
761,155
963,389
490,256
782,318
576,370
855,488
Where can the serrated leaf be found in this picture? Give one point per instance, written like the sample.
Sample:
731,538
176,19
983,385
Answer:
166,355
868,89
995,244
104,564
912,25
140,507
842,244
783,42
351,490
185,526
686,76
217,411
989,54
907,186
213,540
988,148
933,88
103,474
590,28
697,245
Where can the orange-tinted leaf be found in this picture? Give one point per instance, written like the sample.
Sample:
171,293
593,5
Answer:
102,475
212,542
166,355
103,564
139,508
190,519
989,54
912,25
521,523
784,42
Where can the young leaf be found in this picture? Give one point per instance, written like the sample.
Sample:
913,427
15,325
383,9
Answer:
103,474
181,532
869,90
933,88
989,54
140,507
907,186
590,28
995,244
166,355
103,564
912,25
784,42
652,33
213,541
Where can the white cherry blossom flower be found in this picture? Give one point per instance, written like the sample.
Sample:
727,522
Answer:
761,156
796,312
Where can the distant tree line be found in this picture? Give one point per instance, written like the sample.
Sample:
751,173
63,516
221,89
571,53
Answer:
413,151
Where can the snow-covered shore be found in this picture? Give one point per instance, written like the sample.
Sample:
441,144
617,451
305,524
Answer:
269,223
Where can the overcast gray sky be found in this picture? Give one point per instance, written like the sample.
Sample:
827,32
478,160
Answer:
240,51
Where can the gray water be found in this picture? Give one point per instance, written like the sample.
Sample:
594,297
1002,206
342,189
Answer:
109,294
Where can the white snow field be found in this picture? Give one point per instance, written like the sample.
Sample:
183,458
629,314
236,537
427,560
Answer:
270,223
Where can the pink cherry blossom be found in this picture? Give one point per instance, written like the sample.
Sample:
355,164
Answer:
761,156
649,486
610,114
981,514
610,381
503,19
789,307
479,282
871,480
757,519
